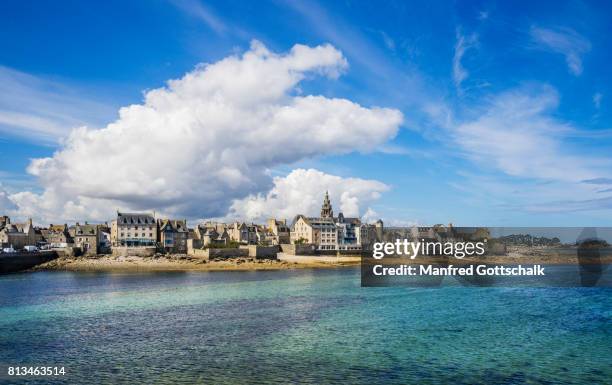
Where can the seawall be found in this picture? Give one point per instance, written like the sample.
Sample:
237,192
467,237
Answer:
15,262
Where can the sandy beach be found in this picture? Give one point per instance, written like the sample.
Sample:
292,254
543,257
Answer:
180,263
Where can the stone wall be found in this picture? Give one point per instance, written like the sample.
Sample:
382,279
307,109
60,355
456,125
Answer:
68,252
14,262
303,249
198,253
261,252
123,251
194,245
318,258
212,253
227,253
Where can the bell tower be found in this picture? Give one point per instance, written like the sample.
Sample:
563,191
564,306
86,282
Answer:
326,209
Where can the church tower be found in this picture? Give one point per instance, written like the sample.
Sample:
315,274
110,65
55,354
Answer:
326,209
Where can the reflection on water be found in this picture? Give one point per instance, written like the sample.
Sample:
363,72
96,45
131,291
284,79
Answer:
307,326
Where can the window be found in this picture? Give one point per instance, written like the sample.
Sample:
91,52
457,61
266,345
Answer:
150,235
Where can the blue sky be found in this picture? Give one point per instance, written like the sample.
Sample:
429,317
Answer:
505,104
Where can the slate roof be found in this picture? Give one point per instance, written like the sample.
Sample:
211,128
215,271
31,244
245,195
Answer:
135,219
86,229
175,224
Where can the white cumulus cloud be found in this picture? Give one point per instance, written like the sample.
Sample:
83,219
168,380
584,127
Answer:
302,191
6,204
206,139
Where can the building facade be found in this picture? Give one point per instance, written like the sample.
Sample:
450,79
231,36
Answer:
339,233
134,230
280,232
87,237
58,236
242,233
212,233
173,235
19,235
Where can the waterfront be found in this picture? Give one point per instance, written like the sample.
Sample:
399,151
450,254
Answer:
307,325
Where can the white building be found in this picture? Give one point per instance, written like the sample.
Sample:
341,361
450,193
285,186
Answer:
133,230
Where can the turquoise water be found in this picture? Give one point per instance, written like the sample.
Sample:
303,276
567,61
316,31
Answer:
302,326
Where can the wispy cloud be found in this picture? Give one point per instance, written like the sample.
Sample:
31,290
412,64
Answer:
564,41
196,9
597,100
463,44
518,134
400,83
516,197
43,110
573,205
389,42
598,181
533,164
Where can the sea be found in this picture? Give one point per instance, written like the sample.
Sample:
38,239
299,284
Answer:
302,326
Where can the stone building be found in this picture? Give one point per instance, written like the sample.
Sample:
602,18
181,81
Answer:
58,236
212,233
105,238
334,233
212,238
318,231
134,230
19,235
239,232
255,234
173,235
242,233
422,232
87,237
379,228
280,232
326,208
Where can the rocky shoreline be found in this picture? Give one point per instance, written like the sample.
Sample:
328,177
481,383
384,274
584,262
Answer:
183,262
178,262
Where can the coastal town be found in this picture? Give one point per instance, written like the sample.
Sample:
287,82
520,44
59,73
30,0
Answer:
327,239
144,234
